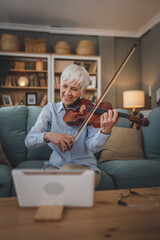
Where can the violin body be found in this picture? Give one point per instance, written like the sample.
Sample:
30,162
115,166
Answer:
81,111
76,115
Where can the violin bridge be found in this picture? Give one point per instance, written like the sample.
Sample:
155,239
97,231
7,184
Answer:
82,108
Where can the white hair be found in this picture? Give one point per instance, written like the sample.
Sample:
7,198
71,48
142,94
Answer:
77,74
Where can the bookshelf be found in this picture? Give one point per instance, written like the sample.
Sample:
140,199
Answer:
91,63
23,65
44,82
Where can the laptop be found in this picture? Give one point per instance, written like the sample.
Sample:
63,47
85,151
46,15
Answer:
51,187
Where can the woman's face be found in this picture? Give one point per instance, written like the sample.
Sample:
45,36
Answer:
70,92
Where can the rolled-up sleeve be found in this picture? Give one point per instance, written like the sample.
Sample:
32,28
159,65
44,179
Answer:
96,139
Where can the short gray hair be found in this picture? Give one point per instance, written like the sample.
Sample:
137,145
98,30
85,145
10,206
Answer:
77,74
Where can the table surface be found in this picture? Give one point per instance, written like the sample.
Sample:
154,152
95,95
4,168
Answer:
106,220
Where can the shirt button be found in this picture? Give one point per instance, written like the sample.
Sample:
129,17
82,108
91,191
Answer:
69,132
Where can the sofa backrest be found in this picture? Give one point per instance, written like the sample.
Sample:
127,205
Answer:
13,122
43,152
151,135
123,122
16,122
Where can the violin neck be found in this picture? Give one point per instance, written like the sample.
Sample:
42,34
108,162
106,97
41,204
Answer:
101,111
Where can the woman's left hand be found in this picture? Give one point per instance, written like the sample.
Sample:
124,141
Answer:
108,121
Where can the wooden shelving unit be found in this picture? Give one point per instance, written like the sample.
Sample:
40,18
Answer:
86,61
27,71
18,93
25,88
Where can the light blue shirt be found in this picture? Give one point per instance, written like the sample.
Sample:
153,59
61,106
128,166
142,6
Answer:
90,141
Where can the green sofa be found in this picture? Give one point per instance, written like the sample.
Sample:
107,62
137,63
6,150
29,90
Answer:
15,122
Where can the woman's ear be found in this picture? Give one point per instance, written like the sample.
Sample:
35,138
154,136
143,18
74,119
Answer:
83,92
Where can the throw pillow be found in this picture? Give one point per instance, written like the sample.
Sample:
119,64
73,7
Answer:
3,159
124,144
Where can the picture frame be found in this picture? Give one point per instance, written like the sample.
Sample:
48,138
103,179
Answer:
92,83
7,100
31,98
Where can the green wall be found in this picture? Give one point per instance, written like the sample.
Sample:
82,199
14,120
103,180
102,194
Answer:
142,70
113,51
150,63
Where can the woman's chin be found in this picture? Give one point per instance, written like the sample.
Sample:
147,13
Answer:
67,101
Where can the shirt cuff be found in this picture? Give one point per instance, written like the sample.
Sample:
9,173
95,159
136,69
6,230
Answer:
44,139
103,137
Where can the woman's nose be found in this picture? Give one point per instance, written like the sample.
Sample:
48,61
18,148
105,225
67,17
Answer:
68,91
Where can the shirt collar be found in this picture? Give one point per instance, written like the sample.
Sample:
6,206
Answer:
60,106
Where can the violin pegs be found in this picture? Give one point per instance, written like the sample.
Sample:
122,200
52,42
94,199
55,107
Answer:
135,113
141,115
138,127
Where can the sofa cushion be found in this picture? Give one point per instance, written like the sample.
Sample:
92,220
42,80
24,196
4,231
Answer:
106,182
13,122
124,144
5,181
151,135
43,152
31,164
133,173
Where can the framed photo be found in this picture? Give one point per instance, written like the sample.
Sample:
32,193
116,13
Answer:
92,83
31,98
7,100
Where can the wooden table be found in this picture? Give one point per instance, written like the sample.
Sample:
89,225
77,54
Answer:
106,220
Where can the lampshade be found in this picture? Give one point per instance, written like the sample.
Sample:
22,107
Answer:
133,99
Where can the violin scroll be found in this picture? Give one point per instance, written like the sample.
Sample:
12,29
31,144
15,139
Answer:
141,121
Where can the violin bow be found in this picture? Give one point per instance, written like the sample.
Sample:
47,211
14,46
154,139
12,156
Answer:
86,121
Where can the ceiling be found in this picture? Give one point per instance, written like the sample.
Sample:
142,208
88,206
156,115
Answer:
124,18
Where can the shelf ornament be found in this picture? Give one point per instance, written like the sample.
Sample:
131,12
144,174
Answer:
23,81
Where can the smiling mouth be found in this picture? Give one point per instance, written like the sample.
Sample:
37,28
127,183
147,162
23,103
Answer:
67,98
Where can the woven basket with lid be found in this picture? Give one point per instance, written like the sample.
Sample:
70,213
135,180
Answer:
62,47
85,47
10,43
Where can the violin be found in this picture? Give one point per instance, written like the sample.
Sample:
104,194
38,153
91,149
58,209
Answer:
78,113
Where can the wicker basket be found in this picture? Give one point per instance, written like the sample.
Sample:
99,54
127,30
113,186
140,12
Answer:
85,47
36,45
10,43
19,65
62,47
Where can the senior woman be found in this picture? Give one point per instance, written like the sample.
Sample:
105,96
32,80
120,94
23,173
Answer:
74,82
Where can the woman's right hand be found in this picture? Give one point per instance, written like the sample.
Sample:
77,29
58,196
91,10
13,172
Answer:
62,141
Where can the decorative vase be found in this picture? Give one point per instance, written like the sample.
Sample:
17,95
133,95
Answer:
39,65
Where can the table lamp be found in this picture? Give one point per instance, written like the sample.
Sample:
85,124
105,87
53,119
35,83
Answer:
133,99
